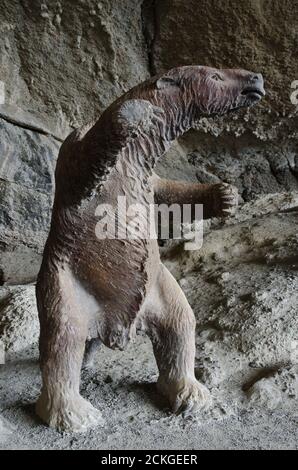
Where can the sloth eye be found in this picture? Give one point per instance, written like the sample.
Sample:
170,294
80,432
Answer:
217,77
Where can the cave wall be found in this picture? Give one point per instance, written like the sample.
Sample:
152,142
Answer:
257,148
63,63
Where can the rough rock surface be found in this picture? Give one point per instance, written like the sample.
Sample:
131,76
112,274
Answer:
26,194
5,433
58,58
19,326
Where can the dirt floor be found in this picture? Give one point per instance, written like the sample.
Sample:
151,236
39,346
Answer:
121,385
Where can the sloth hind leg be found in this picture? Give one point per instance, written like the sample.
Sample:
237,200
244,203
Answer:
170,324
63,332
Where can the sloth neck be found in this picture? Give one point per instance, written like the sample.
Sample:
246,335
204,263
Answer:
179,113
141,156
179,118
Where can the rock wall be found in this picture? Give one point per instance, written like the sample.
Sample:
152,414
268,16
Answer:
63,62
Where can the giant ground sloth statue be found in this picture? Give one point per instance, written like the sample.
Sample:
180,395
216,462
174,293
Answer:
93,287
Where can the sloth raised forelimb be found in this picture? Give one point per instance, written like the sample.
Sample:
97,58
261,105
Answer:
103,288
218,200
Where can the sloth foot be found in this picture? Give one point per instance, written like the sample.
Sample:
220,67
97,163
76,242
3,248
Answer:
225,199
186,396
70,415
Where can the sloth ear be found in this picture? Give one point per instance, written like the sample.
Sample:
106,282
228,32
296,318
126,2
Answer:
166,82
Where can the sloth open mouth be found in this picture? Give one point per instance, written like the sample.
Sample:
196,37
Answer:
253,92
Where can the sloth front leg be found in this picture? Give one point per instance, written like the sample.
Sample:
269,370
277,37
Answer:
218,200
63,331
170,324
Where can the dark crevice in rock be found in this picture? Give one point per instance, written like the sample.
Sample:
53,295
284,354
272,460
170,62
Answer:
274,171
259,375
281,169
150,28
294,168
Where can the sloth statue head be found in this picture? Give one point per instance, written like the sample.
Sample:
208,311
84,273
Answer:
209,91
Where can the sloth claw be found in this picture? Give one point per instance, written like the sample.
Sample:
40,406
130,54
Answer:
226,199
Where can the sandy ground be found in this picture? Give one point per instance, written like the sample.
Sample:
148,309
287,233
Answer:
122,386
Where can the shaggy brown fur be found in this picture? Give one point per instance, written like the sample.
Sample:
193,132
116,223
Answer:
107,288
